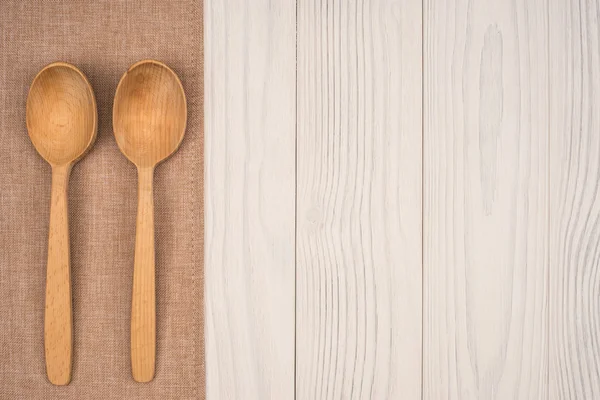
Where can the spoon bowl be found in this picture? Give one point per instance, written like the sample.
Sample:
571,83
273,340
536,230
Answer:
149,113
61,114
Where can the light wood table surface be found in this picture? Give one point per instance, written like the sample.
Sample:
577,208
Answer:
402,199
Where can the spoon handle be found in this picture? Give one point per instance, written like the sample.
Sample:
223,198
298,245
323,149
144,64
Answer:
143,307
58,321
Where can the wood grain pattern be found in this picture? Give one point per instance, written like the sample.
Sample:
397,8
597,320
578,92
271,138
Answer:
149,120
250,65
485,199
359,200
61,120
143,299
508,224
574,200
58,313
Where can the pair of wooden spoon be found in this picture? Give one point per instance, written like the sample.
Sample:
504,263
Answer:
149,120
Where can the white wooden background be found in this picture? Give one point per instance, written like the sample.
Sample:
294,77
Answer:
402,199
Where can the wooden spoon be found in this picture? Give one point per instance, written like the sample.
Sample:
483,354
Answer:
149,119
62,123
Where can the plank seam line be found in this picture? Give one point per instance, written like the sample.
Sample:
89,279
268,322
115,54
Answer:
296,208
422,193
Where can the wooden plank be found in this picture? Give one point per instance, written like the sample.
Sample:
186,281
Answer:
359,200
574,200
485,199
250,70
